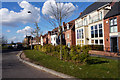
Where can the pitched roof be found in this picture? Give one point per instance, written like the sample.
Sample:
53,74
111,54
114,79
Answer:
115,10
92,7
71,24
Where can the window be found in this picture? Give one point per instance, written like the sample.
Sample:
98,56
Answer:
100,30
63,28
100,16
68,44
85,21
96,31
77,35
92,41
92,34
80,34
80,42
90,18
96,41
67,26
67,35
113,25
63,36
101,41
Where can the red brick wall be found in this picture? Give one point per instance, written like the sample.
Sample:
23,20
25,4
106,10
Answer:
49,39
68,40
118,23
106,35
107,30
119,43
71,38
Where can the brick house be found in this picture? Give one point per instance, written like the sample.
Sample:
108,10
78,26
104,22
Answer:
69,33
35,41
112,28
45,39
49,37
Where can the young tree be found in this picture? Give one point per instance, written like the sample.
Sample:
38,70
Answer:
56,13
37,32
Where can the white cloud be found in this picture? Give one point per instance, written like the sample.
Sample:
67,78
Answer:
27,30
11,18
51,5
8,31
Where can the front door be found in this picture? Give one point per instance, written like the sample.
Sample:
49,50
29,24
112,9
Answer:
114,44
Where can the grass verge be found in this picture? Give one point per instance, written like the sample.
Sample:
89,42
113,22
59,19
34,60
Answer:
95,68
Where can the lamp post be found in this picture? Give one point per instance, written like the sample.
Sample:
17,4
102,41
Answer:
31,35
31,42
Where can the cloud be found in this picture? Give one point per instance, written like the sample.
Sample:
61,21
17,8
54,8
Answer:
50,7
11,18
26,31
13,38
8,31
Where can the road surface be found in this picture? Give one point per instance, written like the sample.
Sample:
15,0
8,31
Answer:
13,68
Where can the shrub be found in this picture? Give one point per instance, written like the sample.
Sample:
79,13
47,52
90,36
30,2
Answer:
40,48
55,53
57,48
65,52
78,47
73,53
35,47
96,47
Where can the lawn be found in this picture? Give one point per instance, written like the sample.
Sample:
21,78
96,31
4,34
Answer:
95,68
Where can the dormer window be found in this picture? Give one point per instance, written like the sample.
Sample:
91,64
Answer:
67,26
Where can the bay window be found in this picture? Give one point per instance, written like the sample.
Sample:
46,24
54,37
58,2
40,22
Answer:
96,31
80,34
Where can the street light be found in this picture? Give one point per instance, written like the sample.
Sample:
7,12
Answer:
31,35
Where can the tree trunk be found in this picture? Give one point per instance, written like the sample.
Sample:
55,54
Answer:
60,46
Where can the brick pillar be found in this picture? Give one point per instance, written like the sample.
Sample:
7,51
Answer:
106,35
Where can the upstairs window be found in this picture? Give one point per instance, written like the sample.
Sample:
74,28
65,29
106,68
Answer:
85,21
63,28
67,26
80,34
113,25
100,15
67,35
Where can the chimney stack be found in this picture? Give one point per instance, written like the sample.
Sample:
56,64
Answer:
80,13
113,2
63,23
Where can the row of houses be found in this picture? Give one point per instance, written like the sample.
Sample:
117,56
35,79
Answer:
98,24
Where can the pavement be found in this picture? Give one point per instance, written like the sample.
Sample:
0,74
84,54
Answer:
13,68
108,57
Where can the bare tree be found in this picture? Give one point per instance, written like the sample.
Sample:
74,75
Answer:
58,13
37,32
3,40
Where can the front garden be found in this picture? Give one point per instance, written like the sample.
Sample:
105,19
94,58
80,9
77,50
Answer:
76,61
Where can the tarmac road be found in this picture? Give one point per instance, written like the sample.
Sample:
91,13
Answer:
13,68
